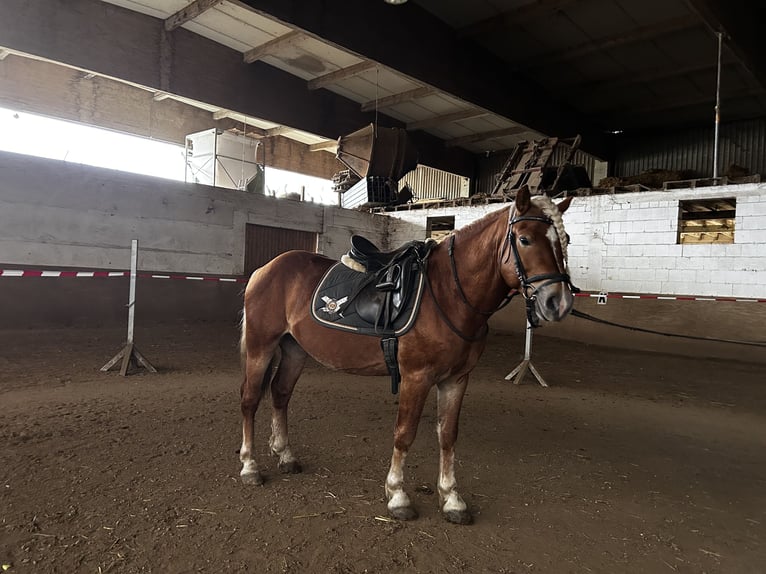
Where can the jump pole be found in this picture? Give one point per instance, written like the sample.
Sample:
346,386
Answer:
521,370
130,353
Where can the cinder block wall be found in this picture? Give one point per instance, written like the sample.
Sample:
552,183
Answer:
626,243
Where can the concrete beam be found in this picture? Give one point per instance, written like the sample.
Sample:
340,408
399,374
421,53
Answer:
446,119
340,75
396,99
190,12
434,54
136,48
474,138
272,46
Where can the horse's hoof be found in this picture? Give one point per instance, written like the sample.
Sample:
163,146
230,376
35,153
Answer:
403,513
252,478
458,516
292,467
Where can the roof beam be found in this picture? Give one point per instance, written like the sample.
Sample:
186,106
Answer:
396,99
341,74
278,131
446,119
190,12
230,124
474,138
646,77
610,42
329,145
680,103
740,21
518,15
272,46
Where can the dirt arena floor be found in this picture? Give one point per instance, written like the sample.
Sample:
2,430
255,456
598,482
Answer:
630,463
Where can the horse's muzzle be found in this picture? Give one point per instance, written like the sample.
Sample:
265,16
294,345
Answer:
554,302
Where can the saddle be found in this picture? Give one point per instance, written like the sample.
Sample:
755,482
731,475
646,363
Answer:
376,293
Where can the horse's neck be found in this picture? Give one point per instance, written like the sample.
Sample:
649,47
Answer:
477,253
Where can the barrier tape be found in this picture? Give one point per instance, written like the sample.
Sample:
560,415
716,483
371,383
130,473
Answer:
41,273
79,274
668,297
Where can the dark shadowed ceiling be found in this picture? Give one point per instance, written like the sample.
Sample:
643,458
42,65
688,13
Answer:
463,76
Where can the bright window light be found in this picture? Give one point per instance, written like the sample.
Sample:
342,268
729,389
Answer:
40,136
76,143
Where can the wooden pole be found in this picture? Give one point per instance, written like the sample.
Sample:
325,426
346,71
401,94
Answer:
130,353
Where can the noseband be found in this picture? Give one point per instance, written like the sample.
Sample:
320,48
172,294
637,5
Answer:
527,289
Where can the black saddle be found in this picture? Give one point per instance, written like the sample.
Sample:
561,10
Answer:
373,259
382,299
375,294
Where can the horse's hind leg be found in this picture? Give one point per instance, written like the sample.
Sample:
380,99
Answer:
290,368
258,371
449,399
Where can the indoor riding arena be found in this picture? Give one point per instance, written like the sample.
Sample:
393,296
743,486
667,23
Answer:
565,222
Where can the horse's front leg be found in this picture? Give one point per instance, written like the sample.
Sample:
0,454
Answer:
414,392
449,400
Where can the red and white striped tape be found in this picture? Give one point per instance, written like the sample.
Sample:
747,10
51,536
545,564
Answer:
668,297
41,273
47,273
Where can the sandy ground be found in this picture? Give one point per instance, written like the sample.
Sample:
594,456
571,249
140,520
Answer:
630,462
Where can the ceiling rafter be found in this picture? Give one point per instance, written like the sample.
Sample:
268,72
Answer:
272,46
683,103
189,12
446,119
642,78
602,44
518,15
341,74
329,145
230,124
475,138
396,99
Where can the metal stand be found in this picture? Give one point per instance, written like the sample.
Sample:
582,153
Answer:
129,353
520,371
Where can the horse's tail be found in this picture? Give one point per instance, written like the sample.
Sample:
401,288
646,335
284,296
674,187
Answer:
242,338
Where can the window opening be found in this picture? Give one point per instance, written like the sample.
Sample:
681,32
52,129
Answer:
706,220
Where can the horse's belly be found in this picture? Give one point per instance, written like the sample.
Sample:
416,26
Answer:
335,349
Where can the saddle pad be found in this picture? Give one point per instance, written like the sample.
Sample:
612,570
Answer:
334,303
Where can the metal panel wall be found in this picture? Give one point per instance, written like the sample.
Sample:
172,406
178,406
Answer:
430,183
742,143
263,243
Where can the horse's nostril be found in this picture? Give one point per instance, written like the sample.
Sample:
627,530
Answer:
552,304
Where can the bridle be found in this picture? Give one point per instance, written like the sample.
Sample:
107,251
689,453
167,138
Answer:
527,289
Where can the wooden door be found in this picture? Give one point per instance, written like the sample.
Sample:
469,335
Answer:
263,243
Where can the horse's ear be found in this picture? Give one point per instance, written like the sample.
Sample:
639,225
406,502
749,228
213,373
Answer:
564,205
522,200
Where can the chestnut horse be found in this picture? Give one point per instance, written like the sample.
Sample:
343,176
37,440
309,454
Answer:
520,248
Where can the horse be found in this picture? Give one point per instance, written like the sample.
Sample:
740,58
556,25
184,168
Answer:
520,248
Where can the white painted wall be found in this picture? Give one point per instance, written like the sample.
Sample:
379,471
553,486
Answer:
54,213
626,243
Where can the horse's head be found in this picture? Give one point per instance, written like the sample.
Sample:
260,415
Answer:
535,256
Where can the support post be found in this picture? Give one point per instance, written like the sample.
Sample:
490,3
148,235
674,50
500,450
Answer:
526,365
717,108
130,353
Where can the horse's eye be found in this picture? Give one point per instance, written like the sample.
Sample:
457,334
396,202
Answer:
523,240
